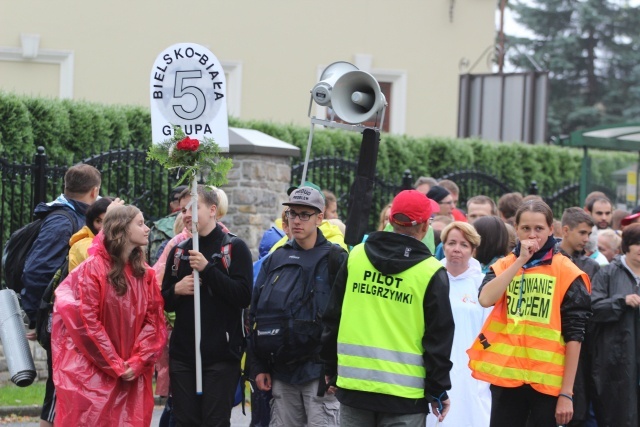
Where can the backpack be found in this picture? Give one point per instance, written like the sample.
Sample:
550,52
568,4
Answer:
45,310
17,248
160,232
288,313
224,256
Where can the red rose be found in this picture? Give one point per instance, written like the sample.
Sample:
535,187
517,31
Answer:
188,144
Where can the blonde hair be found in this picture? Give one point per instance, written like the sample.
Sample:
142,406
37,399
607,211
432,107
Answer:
223,202
614,239
468,232
178,225
384,210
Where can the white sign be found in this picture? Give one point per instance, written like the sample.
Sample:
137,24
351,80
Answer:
189,89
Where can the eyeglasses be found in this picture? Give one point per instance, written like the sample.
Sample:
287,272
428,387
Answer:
304,216
450,202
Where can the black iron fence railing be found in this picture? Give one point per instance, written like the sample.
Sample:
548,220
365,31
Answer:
129,175
125,173
337,174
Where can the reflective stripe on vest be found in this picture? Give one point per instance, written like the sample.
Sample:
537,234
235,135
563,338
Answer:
526,346
381,328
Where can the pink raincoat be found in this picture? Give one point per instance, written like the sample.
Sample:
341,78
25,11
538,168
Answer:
94,332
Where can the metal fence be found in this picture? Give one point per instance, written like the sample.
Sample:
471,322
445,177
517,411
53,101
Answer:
337,174
129,175
125,174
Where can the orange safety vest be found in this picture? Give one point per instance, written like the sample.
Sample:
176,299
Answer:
521,341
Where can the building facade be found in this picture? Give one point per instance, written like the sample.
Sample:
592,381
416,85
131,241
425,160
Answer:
272,52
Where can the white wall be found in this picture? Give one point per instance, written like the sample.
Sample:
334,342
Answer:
275,48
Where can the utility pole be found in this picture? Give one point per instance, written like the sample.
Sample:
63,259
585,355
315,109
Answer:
503,4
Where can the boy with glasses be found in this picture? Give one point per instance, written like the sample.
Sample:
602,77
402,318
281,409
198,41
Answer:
286,334
443,197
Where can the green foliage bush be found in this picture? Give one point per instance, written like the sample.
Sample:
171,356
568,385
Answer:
16,131
51,126
71,130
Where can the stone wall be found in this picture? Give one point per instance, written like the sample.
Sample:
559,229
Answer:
256,190
39,359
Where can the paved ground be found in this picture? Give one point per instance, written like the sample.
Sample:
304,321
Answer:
237,419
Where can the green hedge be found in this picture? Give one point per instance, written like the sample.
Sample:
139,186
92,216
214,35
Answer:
70,130
517,164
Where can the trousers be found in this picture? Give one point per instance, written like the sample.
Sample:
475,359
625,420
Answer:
354,417
213,407
514,406
299,405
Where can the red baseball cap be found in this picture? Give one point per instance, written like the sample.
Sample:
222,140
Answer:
630,219
414,205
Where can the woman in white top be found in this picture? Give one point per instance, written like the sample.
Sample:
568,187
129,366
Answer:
471,399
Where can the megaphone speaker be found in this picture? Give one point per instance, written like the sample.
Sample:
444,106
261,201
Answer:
356,97
321,92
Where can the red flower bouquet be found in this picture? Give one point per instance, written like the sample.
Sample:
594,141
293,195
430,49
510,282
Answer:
191,158
188,144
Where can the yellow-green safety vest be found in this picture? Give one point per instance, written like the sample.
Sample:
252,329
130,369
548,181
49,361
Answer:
381,329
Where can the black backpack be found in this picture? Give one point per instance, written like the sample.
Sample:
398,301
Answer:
223,256
45,310
17,248
288,313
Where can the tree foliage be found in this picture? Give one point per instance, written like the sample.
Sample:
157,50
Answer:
591,49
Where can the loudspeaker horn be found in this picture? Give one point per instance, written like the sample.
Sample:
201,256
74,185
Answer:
321,92
357,97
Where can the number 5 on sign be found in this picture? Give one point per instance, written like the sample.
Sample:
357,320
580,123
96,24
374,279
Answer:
188,89
180,90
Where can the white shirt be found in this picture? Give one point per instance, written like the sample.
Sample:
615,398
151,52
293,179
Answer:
470,398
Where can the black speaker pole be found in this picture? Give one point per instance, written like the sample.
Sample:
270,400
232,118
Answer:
361,194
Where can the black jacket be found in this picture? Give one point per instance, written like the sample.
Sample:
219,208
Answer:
615,346
583,262
582,386
386,251
222,297
302,371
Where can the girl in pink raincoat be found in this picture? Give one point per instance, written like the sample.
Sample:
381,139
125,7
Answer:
108,330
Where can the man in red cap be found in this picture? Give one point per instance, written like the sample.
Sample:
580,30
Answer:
388,325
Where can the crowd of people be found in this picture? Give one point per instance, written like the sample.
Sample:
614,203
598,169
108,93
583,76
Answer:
495,314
